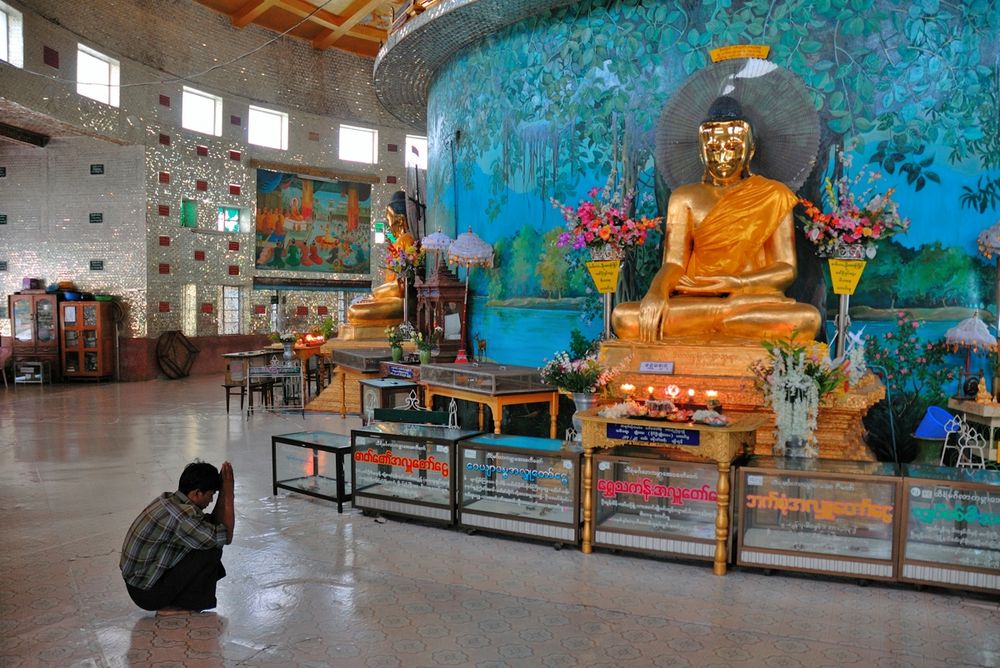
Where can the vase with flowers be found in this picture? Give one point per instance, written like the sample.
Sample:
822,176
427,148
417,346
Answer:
396,337
405,262
857,216
795,378
578,373
426,343
287,340
605,225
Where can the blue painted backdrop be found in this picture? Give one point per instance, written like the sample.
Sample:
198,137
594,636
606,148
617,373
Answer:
546,108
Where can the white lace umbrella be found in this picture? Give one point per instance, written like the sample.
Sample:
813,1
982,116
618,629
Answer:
469,250
971,334
437,242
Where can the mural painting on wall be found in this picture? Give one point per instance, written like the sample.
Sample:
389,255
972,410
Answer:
312,225
549,107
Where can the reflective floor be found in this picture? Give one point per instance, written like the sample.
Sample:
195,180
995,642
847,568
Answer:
309,587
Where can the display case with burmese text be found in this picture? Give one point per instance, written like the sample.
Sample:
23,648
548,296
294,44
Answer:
951,527
406,469
646,502
520,485
819,516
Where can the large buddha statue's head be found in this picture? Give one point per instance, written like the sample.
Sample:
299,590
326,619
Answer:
726,141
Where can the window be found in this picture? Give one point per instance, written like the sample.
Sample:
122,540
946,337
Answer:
201,112
416,151
358,144
96,76
229,323
228,219
268,128
11,35
189,309
189,213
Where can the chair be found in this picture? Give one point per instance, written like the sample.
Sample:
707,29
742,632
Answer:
235,382
314,375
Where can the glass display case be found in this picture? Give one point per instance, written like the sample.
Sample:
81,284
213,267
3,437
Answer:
646,502
819,516
485,378
361,359
287,380
312,463
951,527
520,485
406,469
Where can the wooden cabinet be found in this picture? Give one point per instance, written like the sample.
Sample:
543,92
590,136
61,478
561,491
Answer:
35,324
88,340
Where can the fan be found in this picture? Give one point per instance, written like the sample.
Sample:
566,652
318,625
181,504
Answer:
774,100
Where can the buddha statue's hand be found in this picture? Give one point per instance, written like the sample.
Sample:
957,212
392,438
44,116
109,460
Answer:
652,311
710,285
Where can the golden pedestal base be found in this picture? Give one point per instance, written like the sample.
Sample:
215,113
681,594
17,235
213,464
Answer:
724,366
365,333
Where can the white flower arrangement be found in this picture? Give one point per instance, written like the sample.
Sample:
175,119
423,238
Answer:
795,400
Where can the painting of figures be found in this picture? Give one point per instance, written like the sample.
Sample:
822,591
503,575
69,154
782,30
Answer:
312,225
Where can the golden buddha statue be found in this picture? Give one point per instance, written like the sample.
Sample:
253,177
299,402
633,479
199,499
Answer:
367,319
729,253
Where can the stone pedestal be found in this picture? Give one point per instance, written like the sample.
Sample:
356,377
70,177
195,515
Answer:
724,366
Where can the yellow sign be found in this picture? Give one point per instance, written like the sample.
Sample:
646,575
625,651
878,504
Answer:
605,274
739,51
845,275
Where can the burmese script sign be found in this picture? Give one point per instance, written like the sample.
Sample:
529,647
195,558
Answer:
844,517
652,496
651,434
952,525
403,470
526,485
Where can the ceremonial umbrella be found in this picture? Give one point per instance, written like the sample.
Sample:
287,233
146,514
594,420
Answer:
971,334
469,250
989,245
439,241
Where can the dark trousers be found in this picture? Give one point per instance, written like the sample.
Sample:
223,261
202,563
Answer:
189,585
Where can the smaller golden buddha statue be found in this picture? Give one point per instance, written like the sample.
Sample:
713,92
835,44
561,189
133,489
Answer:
385,306
729,254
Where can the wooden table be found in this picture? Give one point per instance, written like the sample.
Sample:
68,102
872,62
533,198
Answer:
718,444
496,402
986,415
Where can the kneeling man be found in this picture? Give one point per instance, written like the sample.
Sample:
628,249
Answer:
172,555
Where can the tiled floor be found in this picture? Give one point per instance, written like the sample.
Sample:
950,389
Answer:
309,587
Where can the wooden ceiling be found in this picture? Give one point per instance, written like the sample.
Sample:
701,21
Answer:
357,26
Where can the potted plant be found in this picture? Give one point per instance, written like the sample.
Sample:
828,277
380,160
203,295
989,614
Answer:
426,343
395,338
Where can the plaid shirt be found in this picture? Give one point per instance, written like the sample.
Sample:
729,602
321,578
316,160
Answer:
169,527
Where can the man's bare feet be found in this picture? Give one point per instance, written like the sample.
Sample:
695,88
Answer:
173,612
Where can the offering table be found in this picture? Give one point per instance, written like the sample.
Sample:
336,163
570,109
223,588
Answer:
688,441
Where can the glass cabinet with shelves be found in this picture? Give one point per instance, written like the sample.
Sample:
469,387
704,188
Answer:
35,326
87,340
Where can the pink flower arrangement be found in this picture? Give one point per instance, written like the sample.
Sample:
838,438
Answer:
603,221
853,219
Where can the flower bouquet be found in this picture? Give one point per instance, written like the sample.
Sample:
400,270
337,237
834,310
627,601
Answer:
794,379
854,219
427,342
404,262
603,225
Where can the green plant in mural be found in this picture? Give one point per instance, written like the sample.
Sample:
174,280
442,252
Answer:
915,374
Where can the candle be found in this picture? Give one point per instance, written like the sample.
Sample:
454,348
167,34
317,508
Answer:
691,393
711,394
627,389
649,391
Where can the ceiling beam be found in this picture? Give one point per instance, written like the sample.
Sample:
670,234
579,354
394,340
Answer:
330,21
23,136
249,12
353,14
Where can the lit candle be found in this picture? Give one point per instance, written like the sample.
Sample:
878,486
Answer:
711,394
649,391
690,393
627,389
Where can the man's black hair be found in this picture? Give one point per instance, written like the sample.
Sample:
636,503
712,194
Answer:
201,476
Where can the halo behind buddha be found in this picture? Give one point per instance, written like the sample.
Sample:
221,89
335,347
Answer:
773,100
